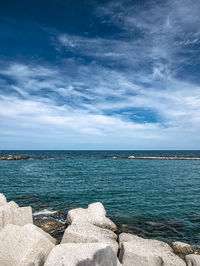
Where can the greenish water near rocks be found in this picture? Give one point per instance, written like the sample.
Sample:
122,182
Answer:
152,198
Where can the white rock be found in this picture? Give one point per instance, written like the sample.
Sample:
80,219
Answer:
23,246
192,260
22,216
11,213
146,252
94,214
48,236
6,214
2,199
13,205
87,254
89,233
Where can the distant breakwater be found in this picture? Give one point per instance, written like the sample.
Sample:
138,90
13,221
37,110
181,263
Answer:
155,158
19,157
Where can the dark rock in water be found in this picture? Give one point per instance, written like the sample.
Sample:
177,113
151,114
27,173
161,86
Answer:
58,234
26,158
14,157
17,157
51,221
48,225
182,249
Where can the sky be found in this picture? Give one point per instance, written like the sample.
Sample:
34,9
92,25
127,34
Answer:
97,74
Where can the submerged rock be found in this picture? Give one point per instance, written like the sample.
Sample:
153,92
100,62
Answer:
94,214
48,225
51,221
162,229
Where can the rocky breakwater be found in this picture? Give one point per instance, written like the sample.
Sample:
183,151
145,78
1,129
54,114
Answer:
13,157
156,158
89,240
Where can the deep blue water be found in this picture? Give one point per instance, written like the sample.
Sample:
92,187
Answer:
152,198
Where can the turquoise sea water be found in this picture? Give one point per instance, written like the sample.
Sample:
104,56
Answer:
152,198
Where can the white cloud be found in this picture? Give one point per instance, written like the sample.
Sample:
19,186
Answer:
177,108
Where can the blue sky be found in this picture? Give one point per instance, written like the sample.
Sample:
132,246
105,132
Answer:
100,74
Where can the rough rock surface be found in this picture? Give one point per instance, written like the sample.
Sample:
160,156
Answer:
146,252
6,213
48,236
22,216
13,204
11,213
2,199
87,254
23,246
89,233
193,260
94,214
182,249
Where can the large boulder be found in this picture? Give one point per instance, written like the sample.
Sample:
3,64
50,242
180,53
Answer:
89,233
11,213
6,213
24,245
192,260
182,249
94,214
2,199
137,251
87,254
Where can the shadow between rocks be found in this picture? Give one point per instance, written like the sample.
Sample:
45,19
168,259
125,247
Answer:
103,257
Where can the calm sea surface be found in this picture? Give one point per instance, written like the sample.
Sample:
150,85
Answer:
152,198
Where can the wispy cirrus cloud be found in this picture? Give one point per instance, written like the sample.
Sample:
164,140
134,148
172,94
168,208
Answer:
104,119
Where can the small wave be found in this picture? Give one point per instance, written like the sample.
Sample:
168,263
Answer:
44,212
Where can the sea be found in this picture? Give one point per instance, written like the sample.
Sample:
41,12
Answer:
157,199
